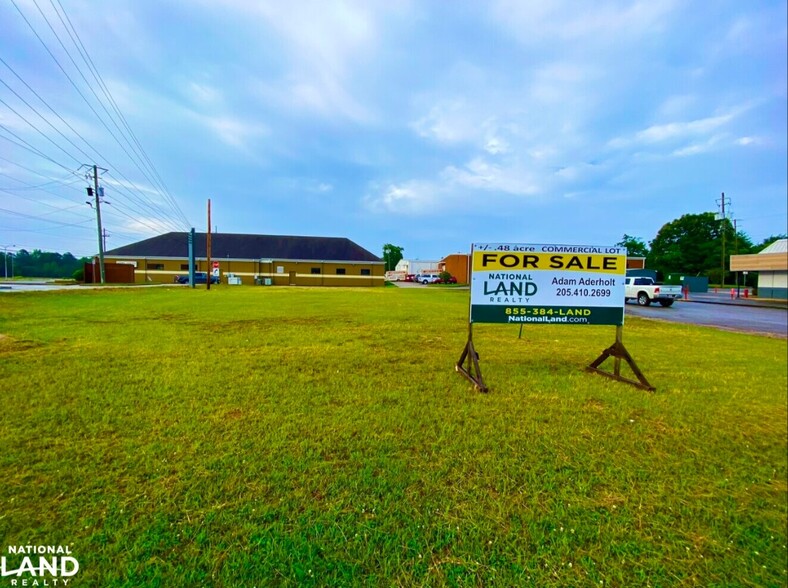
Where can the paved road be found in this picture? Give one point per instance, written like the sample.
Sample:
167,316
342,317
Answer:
749,319
21,286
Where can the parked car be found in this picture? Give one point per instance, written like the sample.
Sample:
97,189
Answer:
428,279
450,280
199,278
410,277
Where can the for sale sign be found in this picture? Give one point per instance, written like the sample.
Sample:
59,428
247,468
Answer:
550,284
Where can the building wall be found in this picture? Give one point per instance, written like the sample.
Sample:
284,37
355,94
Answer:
284,272
457,265
636,263
773,285
416,266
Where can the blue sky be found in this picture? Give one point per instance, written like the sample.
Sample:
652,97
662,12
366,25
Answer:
428,125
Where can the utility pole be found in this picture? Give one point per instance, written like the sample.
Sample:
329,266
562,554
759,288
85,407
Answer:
723,219
5,261
736,252
98,220
104,235
98,193
208,248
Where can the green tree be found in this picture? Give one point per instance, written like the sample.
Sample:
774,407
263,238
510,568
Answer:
46,264
769,240
693,245
636,247
392,255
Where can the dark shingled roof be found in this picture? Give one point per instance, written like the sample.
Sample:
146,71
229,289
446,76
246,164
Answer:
247,247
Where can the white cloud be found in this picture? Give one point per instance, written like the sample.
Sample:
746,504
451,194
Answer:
711,128
412,198
203,93
323,45
510,178
699,147
656,133
496,146
567,20
747,141
450,121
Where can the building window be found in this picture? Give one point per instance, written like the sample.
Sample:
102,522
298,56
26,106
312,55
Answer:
154,266
185,267
315,270
365,272
340,271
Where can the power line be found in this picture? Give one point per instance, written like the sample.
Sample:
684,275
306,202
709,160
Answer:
38,130
27,146
106,92
87,102
44,119
145,203
38,218
100,80
35,186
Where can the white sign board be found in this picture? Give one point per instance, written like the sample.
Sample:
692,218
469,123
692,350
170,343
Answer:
550,284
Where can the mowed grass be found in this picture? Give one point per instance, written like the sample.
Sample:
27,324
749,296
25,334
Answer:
321,437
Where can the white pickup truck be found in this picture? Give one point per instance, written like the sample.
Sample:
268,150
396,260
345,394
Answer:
646,291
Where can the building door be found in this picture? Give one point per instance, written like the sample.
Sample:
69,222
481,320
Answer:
292,278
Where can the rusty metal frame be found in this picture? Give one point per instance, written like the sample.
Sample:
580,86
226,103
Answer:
472,372
618,352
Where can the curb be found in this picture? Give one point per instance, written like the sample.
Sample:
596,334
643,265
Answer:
741,304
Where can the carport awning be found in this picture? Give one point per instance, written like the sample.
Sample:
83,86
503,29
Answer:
760,262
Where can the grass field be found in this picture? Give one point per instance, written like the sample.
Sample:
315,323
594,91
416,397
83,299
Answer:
321,437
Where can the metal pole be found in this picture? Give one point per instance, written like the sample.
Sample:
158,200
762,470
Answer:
191,258
208,248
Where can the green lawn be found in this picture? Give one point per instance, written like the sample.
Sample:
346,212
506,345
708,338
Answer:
321,437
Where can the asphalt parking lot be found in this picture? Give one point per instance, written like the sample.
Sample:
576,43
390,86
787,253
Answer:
744,315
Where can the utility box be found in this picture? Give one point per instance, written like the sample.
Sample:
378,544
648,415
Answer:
233,280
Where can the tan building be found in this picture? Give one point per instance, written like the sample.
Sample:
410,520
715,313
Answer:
253,259
457,265
772,267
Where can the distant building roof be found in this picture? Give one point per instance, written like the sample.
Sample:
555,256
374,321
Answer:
772,258
236,246
779,246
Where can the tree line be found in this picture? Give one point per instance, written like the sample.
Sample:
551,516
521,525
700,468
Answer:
40,264
693,245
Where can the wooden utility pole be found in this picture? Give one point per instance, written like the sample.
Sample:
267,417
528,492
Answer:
723,221
208,248
723,240
98,220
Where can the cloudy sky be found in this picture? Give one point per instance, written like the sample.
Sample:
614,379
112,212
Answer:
426,124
